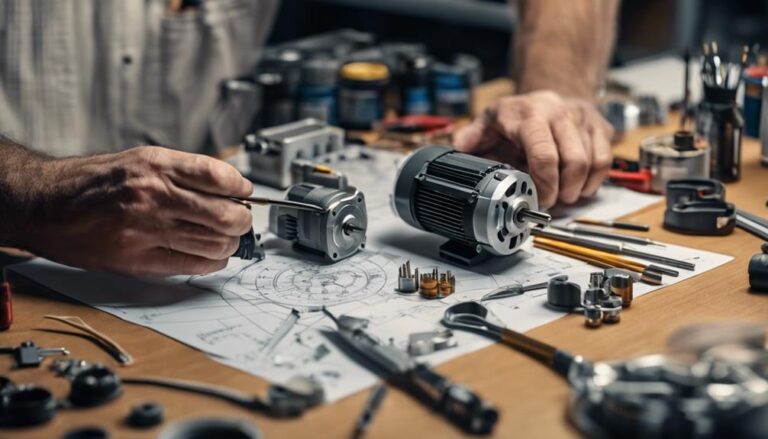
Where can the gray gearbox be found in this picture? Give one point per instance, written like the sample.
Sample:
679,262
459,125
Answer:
337,233
481,205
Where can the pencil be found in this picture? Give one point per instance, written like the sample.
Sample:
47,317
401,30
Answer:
598,258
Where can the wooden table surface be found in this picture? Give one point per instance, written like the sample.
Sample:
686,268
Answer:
531,399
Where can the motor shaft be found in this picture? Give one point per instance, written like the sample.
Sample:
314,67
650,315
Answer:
534,216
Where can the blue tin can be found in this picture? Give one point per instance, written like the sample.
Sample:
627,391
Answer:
754,82
451,90
414,85
318,90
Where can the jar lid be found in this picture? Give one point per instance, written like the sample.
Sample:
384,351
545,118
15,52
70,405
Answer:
365,71
320,71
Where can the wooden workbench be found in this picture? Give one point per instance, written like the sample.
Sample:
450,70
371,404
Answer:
531,399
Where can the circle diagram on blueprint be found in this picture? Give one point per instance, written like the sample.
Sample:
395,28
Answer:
304,285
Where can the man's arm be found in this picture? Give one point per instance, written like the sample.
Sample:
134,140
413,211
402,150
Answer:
564,46
144,211
552,129
19,168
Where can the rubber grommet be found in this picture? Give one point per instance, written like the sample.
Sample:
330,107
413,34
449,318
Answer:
146,415
94,386
26,405
211,427
87,433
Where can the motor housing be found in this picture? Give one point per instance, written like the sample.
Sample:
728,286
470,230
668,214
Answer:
482,206
336,233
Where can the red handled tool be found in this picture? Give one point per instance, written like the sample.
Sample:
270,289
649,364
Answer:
6,306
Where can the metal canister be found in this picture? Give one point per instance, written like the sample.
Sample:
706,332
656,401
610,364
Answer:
317,92
361,94
473,66
719,120
755,80
414,85
279,74
451,90
622,114
670,157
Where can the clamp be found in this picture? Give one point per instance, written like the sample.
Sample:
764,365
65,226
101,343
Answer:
697,206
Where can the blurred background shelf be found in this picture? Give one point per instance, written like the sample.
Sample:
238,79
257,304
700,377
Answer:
647,28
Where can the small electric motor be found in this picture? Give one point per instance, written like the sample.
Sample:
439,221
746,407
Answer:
337,233
481,205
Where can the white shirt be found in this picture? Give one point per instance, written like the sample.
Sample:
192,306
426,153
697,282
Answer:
88,76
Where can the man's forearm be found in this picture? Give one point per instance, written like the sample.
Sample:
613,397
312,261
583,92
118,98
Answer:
564,46
20,177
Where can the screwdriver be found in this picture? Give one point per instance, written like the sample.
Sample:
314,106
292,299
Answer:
273,202
371,407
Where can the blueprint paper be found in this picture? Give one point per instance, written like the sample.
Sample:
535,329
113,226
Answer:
241,316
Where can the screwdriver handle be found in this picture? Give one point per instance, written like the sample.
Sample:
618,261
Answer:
455,402
559,360
562,362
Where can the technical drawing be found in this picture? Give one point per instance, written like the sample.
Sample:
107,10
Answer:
311,286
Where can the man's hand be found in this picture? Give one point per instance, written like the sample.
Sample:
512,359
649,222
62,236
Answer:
145,211
563,143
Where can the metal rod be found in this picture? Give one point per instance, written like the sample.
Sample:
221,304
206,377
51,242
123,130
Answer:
614,248
274,202
585,230
351,228
593,257
534,216
752,227
615,224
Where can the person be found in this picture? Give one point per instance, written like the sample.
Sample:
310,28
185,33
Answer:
552,128
82,80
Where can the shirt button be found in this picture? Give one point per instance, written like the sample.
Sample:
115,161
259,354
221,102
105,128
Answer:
127,60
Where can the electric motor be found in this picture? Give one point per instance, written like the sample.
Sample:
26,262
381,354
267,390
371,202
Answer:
481,205
337,233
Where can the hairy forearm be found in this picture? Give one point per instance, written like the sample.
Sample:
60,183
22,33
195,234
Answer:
21,172
564,46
